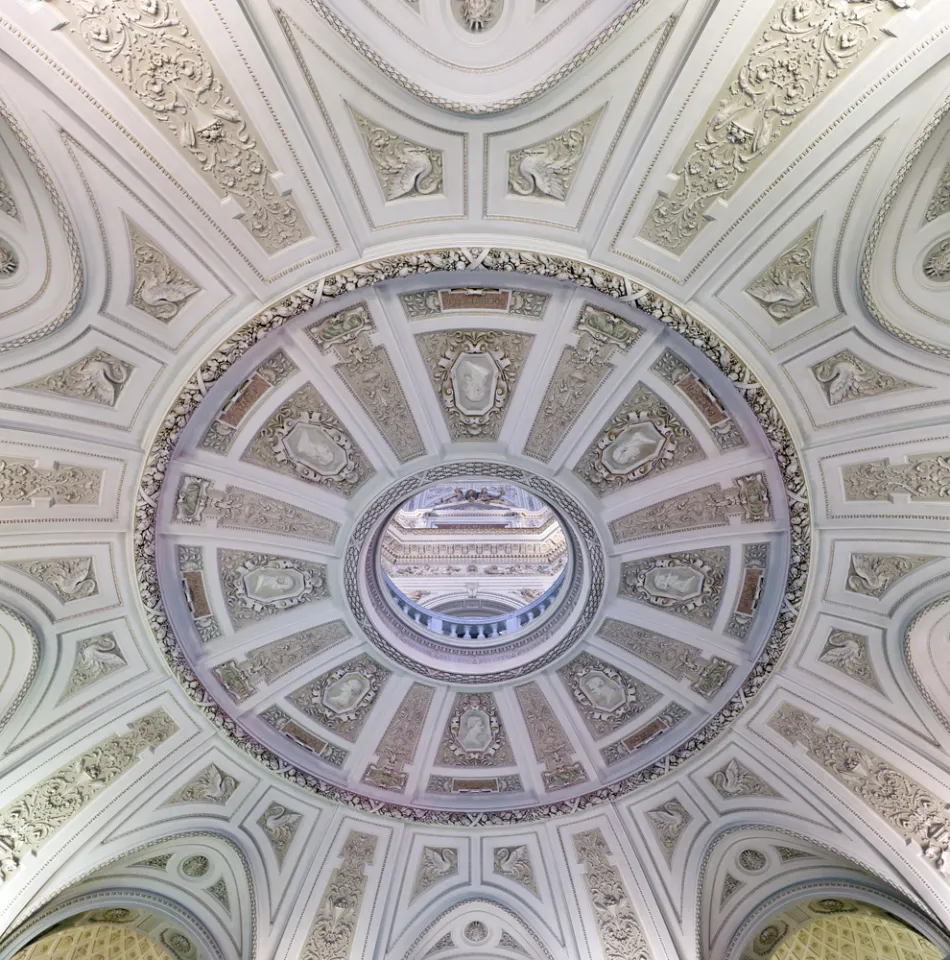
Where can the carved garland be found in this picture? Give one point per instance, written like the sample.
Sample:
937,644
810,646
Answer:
430,262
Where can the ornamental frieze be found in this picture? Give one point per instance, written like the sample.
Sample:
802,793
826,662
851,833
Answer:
22,482
925,477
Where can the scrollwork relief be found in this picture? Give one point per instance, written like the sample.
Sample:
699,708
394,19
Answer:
551,744
924,476
334,925
210,785
21,483
33,818
153,53
397,748
916,813
803,53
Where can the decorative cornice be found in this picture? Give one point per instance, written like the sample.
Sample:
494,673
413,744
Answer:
373,272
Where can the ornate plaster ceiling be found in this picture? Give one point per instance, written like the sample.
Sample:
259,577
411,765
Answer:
698,249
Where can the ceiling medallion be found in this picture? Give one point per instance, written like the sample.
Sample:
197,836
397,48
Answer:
472,731
446,653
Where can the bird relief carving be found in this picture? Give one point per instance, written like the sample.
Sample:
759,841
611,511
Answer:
547,169
403,167
786,288
159,286
96,657
845,377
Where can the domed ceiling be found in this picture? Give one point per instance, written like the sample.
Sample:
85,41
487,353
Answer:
474,478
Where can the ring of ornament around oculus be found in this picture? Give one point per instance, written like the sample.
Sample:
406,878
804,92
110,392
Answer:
372,272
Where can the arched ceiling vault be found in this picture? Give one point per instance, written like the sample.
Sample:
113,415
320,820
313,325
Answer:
678,268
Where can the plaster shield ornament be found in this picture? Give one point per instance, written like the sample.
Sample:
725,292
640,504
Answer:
277,368
925,476
403,167
209,785
801,55
22,482
551,744
9,260
644,437
265,664
397,748
873,574
98,378
845,377
338,914
605,696
939,202
342,698
676,659
305,439
734,780
474,734
474,373
687,585
239,509
27,822
477,15
547,169
787,287
159,286
936,265
722,427
435,865
70,579
280,825
258,585
514,863
668,822
432,303
908,807
848,653
618,926
544,265
581,370
7,200
296,733
369,374
95,658
153,52
706,507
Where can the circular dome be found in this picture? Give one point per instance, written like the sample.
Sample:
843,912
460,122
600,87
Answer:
453,544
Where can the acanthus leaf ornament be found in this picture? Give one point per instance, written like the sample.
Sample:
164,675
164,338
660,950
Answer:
923,477
916,813
33,818
22,482
151,51
802,54
547,169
